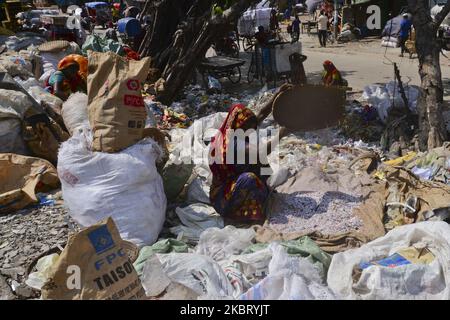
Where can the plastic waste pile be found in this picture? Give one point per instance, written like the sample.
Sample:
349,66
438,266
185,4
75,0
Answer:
388,96
345,220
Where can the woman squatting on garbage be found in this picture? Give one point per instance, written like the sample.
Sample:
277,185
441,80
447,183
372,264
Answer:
70,77
331,75
239,191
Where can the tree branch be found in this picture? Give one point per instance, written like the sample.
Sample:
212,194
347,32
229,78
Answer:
441,15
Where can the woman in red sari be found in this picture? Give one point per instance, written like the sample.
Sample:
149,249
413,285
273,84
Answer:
239,191
331,75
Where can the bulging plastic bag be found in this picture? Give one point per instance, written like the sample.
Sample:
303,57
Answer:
11,139
400,278
124,185
74,112
386,96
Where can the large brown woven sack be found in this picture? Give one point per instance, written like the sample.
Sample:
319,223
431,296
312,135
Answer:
21,178
116,108
94,266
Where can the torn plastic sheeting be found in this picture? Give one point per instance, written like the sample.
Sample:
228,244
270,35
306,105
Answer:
289,278
15,100
42,95
15,69
214,84
175,176
37,279
382,97
188,145
162,246
74,112
411,281
220,244
196,218
302,247
198,190
254,265
11,132
199,273
19,42
433,165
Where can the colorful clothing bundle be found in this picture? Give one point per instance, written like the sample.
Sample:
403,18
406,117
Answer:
237,192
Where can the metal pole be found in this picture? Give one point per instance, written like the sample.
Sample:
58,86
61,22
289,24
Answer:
336,18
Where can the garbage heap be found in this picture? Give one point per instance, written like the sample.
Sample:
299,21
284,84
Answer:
346,219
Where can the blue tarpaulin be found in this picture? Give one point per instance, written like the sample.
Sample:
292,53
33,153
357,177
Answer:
392,27
93,5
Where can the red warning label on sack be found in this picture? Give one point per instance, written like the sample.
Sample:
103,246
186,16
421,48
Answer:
134,101
133,85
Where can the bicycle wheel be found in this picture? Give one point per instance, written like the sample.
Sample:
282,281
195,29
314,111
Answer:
235,75
235,50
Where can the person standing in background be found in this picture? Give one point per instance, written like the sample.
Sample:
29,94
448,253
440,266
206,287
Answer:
322,26
274,25
296,29
405,29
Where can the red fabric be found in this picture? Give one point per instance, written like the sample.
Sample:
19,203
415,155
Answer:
331,73
236,118
131,54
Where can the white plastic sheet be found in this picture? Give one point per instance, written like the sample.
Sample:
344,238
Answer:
221,244
195,219
74,112
13,105
290,278
199,273
191,146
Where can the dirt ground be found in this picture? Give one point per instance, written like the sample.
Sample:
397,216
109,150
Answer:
366,62
362,63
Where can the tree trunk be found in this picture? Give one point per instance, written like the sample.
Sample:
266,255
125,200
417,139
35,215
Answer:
432,128
181,34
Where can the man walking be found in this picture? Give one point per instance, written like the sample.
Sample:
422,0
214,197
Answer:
322,25
405,28
296,29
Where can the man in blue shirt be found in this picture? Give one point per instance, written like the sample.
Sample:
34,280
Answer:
296,29
405,28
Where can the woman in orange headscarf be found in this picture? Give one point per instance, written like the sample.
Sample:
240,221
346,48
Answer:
71,76
331,75
81,60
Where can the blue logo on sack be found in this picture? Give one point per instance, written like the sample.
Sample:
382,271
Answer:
101,239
